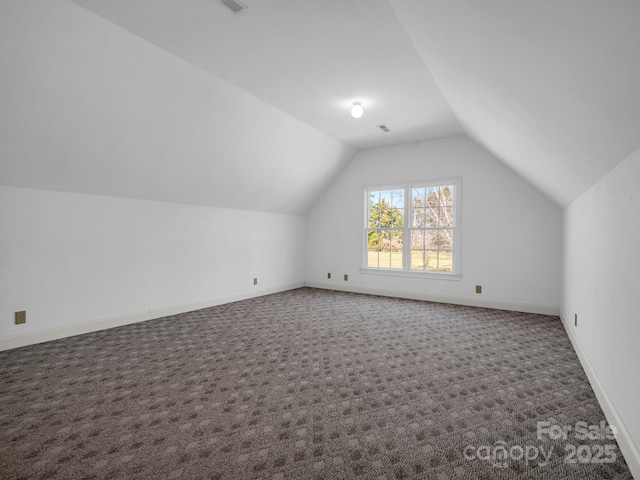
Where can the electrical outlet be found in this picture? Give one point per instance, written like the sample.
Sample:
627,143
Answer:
329,275
255,281
478,288
575,319
21,317
346,277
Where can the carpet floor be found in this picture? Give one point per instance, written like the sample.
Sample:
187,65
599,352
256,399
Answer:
307,384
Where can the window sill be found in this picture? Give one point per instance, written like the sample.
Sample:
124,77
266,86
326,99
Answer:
404,273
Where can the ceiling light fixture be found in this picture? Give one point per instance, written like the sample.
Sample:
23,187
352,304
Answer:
357,110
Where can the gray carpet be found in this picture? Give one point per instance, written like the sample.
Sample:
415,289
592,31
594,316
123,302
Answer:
305,384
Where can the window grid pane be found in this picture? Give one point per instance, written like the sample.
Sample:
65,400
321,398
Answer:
430,228
385,224
384,248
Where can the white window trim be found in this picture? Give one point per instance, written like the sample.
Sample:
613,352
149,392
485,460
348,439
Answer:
456,273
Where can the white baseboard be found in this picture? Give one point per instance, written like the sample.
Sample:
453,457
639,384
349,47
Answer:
625,441
24,339
471,302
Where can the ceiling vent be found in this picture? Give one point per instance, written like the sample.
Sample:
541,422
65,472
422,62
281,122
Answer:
233,5
384,128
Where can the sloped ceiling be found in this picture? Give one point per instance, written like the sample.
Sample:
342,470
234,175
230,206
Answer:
88,107
551,88
251,110
308,58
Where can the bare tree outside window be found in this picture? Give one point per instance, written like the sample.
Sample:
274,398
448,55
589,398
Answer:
432,225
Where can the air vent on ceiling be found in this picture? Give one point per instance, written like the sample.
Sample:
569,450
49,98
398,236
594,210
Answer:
384,128
234,5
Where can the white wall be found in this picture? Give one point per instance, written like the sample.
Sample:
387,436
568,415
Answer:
68,258
601,265
511,233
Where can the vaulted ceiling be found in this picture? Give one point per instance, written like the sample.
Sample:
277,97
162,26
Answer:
186,101
310,59
551,88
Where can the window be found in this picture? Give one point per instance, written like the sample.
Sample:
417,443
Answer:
413,229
